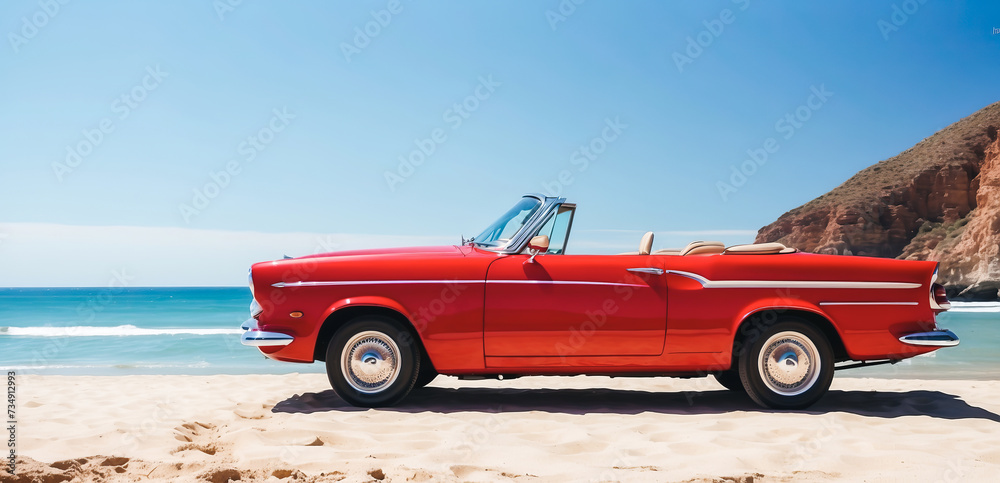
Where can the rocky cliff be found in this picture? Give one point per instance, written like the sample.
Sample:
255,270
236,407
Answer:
939,200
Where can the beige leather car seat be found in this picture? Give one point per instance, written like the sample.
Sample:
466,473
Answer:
703,248
759,249
668,251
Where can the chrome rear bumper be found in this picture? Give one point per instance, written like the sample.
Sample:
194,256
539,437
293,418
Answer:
937,338
254,337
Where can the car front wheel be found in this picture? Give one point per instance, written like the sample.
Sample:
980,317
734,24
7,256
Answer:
372,362
789,366
427,374
730,380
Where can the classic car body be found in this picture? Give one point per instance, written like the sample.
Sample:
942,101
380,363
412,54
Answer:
762,318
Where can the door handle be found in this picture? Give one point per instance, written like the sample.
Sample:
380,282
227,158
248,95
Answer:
649,270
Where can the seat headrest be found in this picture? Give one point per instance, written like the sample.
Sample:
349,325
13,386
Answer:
646,244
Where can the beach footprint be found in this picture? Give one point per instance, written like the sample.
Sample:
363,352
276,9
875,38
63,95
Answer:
187,432
209,450
198,437
252,410
222,475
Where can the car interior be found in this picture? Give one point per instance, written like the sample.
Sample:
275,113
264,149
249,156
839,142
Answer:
700,247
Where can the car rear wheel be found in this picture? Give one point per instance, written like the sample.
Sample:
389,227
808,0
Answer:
789,366
372,362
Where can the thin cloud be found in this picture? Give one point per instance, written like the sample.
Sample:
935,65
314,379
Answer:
47,255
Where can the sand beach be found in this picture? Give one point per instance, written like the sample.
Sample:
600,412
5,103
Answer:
294,428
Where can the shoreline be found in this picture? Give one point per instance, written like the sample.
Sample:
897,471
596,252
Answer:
293,428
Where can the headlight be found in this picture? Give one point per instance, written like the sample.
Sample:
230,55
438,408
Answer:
250,280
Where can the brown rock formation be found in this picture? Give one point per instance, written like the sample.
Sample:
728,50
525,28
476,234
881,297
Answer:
939,200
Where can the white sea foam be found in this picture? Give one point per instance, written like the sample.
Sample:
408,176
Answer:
48,367
121,330
975,307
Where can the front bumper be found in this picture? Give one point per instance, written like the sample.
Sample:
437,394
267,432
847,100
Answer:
937,338
255,337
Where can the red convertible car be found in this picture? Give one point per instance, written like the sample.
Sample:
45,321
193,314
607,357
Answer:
510,302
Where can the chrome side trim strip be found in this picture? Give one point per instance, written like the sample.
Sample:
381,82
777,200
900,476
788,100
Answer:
365,282
649,270
937,338
706,283
693,276
868,303
567,282
392,282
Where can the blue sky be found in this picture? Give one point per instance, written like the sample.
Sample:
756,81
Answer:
120,114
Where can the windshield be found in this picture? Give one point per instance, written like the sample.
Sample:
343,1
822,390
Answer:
498,234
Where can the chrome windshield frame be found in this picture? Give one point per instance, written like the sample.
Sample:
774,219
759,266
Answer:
523,236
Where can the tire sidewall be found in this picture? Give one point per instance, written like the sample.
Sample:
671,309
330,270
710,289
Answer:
409,356
427,373
730,380
750,372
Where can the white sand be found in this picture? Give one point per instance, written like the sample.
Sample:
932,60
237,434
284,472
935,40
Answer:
294,428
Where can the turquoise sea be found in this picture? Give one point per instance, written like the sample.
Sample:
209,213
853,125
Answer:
196,331
113,331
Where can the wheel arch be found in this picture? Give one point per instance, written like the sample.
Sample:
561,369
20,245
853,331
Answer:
758,319
343,312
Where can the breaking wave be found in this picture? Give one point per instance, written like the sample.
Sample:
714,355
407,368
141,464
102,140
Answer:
975,307
121,330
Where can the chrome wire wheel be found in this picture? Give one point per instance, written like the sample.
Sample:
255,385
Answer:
789,363
370,361
373,361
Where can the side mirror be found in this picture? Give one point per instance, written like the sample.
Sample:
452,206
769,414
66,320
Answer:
539,243
536,245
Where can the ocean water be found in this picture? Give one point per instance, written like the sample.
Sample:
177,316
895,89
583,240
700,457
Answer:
196,331
977,357
114,331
